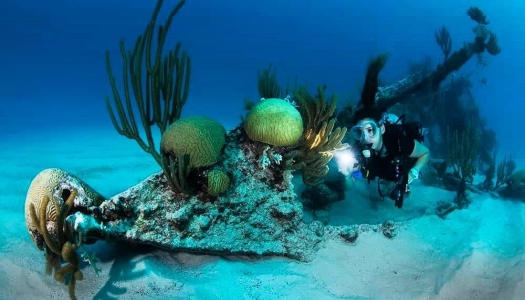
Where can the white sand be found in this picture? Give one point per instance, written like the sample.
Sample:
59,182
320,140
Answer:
474,254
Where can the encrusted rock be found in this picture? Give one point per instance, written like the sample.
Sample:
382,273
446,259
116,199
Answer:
317,227
259,214
349,235
389,229
254,217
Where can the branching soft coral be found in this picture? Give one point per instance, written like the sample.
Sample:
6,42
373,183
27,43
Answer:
155,86
462,154
444,41
267,84
58,243
477,15
504,171
321,137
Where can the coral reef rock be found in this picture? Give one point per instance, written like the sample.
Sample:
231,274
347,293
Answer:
254,217
258,215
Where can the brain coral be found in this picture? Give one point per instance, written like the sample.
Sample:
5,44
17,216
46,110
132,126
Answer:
197,136
53,183
218,182
275,122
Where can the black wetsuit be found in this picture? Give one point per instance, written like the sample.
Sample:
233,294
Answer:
395,164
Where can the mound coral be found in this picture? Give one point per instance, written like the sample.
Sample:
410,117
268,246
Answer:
275,122
189,143
218,182
51,183
201,138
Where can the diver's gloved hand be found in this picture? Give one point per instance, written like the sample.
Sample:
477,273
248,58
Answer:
367,153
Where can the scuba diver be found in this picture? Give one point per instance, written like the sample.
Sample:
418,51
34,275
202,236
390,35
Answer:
388,149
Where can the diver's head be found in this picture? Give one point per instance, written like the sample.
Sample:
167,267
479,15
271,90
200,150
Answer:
369,127
369,132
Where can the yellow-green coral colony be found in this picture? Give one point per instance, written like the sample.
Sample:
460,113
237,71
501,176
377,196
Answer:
275,122
199,137
218,182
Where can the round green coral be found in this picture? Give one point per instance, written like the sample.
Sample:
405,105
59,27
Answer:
201,138
218,182
275,122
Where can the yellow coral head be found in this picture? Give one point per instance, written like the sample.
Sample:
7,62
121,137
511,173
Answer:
199,137
218,182
275,122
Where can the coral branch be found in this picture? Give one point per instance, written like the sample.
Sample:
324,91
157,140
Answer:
477,15
268,85
320,139
444,41
159,93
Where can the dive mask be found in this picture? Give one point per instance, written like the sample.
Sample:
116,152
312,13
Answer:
365,130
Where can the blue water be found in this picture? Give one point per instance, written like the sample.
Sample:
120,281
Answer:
53,54
53,78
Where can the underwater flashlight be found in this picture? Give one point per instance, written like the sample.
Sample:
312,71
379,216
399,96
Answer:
345,160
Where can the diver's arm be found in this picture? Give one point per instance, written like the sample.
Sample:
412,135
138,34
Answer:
421,153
